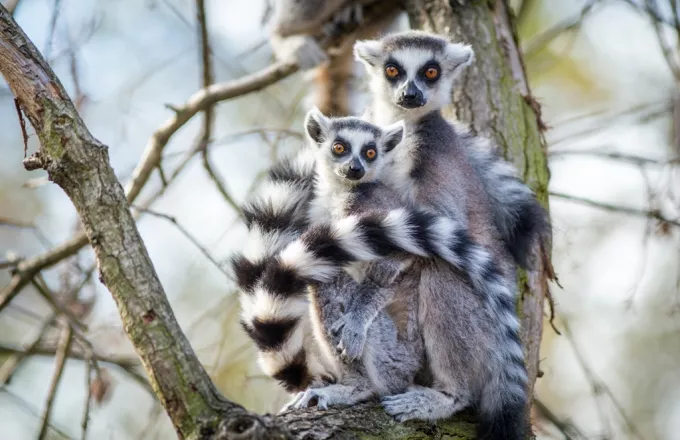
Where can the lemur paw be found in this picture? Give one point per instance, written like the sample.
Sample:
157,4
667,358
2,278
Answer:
322,398
291,405
407,406
300,49
351,15
349,337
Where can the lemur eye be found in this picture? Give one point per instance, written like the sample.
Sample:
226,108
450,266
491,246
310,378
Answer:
431,73
391,71
338,148
371,153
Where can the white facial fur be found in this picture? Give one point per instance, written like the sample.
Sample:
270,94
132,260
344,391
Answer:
410,60
357,137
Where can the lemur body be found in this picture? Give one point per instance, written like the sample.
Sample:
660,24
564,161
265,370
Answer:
475,303
411,78
362,312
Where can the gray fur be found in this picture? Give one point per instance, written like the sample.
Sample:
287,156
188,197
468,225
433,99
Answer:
472,346
353,312
294,22
390,357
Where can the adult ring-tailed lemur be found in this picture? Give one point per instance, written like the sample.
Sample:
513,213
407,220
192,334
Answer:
465,307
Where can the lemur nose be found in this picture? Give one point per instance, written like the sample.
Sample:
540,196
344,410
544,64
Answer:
354,167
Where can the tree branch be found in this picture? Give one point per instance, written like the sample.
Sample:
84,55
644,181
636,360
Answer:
79,164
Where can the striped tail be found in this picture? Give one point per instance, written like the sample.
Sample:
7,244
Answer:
519,217
275,216
324,249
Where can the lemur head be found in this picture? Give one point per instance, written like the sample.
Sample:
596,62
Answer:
350,150
413,71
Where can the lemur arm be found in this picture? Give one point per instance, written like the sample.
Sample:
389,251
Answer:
370,297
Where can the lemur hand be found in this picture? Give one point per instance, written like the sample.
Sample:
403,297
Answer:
349,336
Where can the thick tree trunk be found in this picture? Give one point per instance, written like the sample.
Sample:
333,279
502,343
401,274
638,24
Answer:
494,93
494,98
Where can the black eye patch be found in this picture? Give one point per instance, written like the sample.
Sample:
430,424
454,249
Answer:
393,70
430,72
370,151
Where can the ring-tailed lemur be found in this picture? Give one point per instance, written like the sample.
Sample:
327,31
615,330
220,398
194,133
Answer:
366,315
293,26
411,76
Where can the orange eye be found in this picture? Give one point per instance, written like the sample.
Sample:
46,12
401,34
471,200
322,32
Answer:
431,73
391,72
371,153
338,148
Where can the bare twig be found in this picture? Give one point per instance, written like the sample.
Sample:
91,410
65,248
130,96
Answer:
568,429
56,304
59,363
53,28
88,400
598,386
613,155
667,51
187,234
9,367
209,114
654,14
33,411
653,214
563,26
4,221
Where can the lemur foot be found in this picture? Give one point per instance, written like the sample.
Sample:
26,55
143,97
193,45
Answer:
300,49
351,15
332,395
349,337
291,404
422,404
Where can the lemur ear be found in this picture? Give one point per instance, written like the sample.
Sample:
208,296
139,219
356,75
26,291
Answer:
368,52
459,56
392,135
316,125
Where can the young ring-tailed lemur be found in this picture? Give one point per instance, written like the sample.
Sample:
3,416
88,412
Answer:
365,315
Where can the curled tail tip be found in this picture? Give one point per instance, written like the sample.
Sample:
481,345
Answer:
533,226
508,422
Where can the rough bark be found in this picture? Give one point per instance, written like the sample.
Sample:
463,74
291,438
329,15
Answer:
79,164
494,98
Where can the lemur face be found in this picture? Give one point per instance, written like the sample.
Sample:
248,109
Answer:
351,149
413,70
